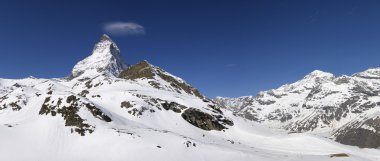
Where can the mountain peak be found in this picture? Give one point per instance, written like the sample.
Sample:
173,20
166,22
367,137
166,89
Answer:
319,74
372,73
105,37
105,57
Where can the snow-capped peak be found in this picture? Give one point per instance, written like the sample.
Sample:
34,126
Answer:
373,73
318,74
105,58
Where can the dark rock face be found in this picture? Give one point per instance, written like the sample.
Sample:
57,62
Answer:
205,121
126,104
84,93
173,106
14,105
138,110
140,70
303,126
339,155
96,112
366,135
144,70
70,113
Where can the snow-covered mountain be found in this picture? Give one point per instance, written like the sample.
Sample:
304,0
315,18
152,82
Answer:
107,111
344,108
105,57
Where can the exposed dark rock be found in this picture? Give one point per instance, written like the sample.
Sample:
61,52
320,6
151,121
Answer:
155,84
266,102
364,90
70,113
250,116
17,85
205,121
303,126
126,104
271,93
138,112
286,117
15,106
190,144
313,92
45,108
366,135
366,106
339,155
173,106
98,113
145,70
73,119
72,98
342,80
84,93
140,70
215,109
88,84
94,96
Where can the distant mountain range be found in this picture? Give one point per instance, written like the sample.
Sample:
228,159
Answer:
344,108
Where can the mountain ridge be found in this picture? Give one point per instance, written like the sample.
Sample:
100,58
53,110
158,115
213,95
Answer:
320,103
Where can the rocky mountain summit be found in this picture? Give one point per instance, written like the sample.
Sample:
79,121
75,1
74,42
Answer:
344,108
105,58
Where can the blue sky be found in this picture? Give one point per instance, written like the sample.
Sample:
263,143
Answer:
224,48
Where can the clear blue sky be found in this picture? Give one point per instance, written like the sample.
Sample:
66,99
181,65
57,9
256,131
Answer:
224,48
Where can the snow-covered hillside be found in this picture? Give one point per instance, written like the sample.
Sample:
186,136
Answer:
344,108
107,111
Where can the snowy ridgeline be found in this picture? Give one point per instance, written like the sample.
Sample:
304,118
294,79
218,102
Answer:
107,111
344,108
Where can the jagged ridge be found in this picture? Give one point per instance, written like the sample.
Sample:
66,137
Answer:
320,103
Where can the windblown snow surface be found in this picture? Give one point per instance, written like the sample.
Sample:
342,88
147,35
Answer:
26,135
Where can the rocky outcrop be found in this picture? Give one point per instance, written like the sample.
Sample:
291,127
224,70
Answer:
205,121
144,70
364,135
138,71
68,108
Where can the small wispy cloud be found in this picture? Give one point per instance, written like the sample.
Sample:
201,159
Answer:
124,28
231,65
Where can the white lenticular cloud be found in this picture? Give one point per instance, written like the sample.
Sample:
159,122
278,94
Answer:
124,28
